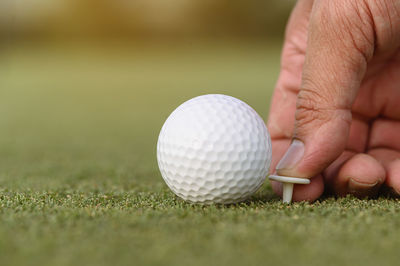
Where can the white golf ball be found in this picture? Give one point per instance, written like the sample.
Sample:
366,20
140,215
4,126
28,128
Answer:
214,149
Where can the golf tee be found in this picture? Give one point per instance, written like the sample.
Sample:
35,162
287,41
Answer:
288,185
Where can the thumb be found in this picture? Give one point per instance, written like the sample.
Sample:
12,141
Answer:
340,44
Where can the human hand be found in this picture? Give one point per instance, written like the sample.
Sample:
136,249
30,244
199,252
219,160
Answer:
338,98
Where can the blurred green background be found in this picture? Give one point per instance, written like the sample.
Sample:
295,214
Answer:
99,77
144,19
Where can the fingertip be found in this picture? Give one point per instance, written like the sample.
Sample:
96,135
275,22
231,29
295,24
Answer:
309,192
279,147
277,188
361,176
394,176
390,160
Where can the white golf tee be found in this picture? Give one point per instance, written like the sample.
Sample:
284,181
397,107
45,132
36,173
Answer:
287,185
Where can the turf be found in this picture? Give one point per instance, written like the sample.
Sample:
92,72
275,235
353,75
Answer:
79,183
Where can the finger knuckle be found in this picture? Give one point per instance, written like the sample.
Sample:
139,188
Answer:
309,106
315,108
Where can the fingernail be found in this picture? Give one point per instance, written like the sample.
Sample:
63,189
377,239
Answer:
292,156
361,190
354,185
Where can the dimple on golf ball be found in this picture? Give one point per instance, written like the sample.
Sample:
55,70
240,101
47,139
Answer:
214,149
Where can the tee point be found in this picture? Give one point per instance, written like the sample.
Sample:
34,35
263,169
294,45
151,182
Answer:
287,185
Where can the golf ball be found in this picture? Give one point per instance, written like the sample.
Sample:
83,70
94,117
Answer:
214,149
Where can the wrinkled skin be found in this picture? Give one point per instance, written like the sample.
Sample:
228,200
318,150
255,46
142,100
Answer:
338,97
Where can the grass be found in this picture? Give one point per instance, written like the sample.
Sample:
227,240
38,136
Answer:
79,183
